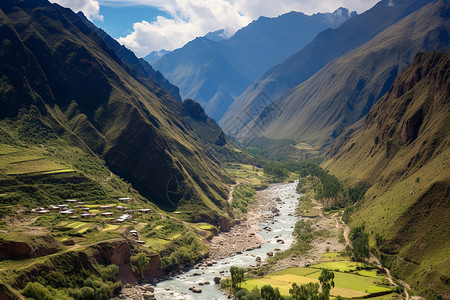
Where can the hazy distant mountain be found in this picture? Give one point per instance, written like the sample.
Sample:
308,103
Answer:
216,36
155,55
343,92
402,151
211,68
327,46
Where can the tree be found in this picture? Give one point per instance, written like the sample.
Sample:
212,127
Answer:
140,263
269,293
326,280
237,276
360,243
308,291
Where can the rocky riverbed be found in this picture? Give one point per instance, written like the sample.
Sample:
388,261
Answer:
245,236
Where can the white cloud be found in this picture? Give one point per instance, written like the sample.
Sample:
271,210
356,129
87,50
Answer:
188,20
90,8
192,18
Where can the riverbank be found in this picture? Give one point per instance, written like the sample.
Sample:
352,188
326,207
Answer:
329,242
244,235
267,229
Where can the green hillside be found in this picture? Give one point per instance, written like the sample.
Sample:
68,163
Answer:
402,151
56,69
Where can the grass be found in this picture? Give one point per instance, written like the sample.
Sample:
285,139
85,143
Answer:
205,226
7,149
156,244
109,227
346,284
343,266
248,174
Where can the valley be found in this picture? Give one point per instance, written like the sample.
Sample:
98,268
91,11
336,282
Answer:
296,156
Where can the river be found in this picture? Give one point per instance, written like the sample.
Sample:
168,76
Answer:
281,228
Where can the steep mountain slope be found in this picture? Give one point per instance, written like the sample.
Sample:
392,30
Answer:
212,68
200,71
343,91
54,64
402,150
140,66
327,46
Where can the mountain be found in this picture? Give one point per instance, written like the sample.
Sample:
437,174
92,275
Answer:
155,55
328,45
402,150
211,67
60,79
140,67
354,82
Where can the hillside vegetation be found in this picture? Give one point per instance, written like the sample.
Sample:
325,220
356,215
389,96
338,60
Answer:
402,150
59,71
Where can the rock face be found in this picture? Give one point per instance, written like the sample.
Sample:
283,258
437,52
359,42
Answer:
40,246
154,267
116,253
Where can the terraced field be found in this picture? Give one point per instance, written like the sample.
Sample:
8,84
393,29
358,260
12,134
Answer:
20,161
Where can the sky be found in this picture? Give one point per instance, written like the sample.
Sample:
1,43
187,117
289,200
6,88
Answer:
151,25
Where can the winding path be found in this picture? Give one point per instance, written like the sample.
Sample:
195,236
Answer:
341,224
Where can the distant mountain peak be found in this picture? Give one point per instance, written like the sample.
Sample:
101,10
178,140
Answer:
217,36
342,11
155,55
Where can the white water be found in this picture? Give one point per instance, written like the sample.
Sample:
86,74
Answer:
178,287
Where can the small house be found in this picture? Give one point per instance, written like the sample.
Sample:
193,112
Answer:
126,200
71,200
107,214
86,215
145,210
106,206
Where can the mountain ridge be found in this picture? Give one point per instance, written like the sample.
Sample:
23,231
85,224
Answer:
402,150
207,69
354,82
85,93
328,45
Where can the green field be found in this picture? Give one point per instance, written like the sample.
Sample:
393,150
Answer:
350,281
346,284
248,174
20,161
205,226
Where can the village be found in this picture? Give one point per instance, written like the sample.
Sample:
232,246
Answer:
113,214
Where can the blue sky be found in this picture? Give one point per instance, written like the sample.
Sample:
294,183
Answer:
118,20
147,25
